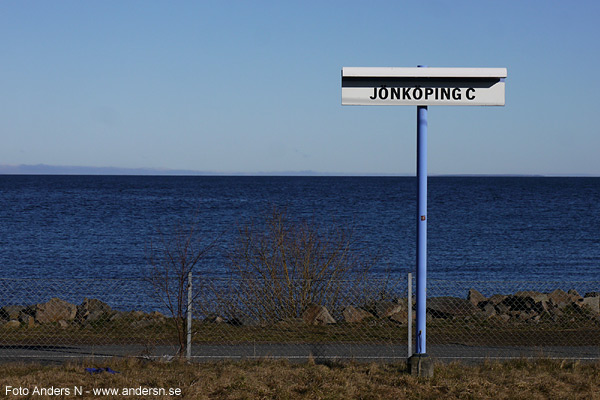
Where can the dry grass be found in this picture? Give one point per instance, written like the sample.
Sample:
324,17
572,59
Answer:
267,379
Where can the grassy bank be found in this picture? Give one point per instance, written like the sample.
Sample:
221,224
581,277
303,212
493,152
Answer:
266,379
474,332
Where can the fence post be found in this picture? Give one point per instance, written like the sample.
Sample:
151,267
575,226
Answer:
188,349
409,305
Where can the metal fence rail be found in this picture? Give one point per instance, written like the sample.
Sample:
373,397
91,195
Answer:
51,320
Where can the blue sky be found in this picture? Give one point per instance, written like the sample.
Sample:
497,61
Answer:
255,86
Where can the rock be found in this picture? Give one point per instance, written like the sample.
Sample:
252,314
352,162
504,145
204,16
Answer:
528,315
488,309
576,299
557,312
213,319
504,317
11,312
97,315
117,315
593,303
92,310
63,324
536,296
502,308
404,302
27,320
142,323
475,297
385,309
542,307
54,310
450,307
244,320
352,314
401,317
290,322
535,319
497,299
518,303
157,315
235,321
592,294
317,315
13,323
559,298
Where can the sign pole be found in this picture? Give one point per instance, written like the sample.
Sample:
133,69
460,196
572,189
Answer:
420,364
421,228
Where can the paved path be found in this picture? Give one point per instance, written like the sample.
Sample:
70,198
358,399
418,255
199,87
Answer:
294,352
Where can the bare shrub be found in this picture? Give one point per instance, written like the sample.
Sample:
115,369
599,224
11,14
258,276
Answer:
278,269
171,259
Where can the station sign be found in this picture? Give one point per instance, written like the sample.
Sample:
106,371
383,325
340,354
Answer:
423,86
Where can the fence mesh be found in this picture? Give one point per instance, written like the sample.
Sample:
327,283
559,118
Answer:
51,320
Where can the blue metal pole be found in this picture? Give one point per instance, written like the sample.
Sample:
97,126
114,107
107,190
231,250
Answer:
421,228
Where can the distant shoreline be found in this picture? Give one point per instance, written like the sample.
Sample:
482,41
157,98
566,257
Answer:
43,169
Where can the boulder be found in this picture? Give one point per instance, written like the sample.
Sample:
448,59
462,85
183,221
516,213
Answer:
142,323
213,319
289,322
235,321
385,309
536,296
543,306
401,317
27,320
119,315
54,310
475,297
13,323
488,309
592,303
450,307
497,299
518,303
502,308
353,314
557,312
504,317
92,310
11,312
244,320
317,315
559,298
157,315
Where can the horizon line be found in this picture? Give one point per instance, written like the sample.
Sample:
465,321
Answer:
44,169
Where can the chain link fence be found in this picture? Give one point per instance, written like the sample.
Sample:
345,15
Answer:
52,320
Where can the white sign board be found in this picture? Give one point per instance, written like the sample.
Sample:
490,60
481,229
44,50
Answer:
423,86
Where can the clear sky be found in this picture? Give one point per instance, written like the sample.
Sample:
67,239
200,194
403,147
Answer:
255,86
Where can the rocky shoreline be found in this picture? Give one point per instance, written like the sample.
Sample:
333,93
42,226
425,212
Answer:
521,307
64,314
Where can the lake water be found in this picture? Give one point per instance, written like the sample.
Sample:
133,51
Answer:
479,228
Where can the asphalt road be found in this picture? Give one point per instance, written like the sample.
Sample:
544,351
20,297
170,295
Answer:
294,352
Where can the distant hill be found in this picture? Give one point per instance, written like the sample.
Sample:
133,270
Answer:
43,169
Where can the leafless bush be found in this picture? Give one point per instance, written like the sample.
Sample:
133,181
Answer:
281,267
171,259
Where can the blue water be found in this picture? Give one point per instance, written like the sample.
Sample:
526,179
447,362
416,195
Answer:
479,228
